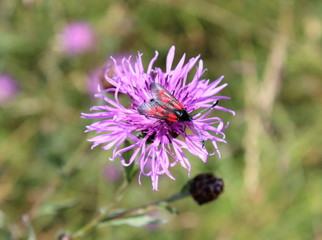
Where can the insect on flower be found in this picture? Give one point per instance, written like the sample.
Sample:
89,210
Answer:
165,106
153,128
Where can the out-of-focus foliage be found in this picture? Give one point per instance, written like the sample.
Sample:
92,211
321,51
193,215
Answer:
270,54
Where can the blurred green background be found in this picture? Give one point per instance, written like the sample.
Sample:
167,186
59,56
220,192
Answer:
270,54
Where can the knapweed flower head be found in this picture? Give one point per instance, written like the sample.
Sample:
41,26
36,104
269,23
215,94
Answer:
158,144
77,38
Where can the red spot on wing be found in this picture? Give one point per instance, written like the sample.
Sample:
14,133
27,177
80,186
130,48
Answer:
151,112
179,106
155,110
160,110
163,105
172,120
171,115
164,97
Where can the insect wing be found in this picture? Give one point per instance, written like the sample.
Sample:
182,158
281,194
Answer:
164,97
155,110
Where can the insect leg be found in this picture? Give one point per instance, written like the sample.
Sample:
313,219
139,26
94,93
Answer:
201,138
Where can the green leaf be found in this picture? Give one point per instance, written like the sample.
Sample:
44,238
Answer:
134,221
168,208
53,208
30,231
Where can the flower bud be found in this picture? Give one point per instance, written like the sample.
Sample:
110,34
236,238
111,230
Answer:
205,188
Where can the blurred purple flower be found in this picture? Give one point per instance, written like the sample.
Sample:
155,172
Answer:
112,173
96,78
8,88
153,141
77,38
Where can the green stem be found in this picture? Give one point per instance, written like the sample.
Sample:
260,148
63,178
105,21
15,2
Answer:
140,210
148,207
91,225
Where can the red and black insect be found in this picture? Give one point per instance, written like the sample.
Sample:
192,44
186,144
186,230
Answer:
165,106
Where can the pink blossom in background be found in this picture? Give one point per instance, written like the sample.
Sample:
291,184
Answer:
77,38
94,81
8,88
96,78
112,173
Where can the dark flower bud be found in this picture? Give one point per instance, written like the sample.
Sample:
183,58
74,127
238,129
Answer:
206,188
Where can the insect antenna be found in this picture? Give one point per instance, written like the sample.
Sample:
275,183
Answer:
206,109
199,133
201,138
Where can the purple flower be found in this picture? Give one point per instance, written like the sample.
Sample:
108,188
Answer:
77,38
154,142
8,88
